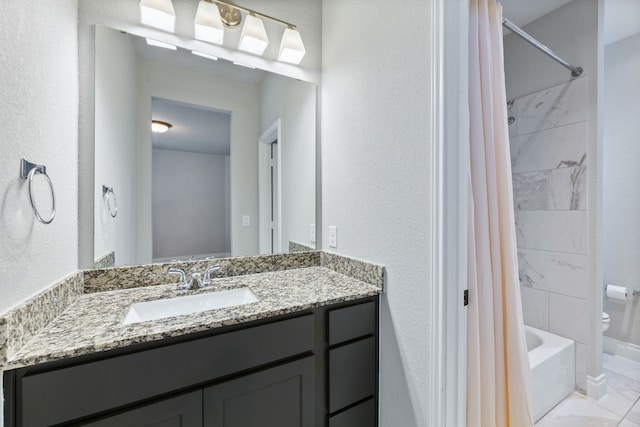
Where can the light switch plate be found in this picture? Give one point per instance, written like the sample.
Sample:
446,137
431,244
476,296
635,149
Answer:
312,233
246,220
333,236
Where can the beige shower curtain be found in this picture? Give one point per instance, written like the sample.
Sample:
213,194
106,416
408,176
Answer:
497,362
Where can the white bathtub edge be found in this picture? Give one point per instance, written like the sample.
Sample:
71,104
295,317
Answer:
552,366
551,345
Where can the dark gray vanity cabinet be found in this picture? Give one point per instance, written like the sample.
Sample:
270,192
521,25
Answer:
282,396
353,365
181,411
312,368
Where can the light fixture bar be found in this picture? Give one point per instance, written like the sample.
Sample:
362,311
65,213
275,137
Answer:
255,13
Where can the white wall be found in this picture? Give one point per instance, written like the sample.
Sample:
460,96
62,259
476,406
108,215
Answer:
621,198
294,103
243,101
39,116
39,121
573,31
115,144
189,206
376,177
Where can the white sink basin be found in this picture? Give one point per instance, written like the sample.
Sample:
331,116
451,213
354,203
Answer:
160,309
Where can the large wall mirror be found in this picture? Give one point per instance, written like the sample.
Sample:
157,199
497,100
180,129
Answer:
233,175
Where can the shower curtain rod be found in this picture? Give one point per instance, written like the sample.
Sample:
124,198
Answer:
575,71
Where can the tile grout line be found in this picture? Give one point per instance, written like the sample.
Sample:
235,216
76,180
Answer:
624,417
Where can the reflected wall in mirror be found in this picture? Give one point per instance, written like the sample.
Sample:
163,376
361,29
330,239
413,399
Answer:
264,186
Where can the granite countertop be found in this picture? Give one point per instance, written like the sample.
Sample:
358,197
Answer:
93,323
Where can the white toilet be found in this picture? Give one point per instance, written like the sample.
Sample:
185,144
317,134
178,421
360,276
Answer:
606,320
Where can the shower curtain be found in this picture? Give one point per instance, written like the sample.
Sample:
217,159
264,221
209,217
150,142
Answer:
497,361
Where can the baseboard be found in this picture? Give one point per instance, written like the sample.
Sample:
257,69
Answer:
596,387
620,348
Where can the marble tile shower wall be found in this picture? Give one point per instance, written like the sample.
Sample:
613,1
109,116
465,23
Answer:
548,159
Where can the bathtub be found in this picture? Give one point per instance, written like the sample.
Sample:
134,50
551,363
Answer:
553,374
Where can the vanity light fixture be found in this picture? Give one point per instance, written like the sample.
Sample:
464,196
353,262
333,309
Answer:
291,47
158,14
157,43
212,16
205,55
208,23
158,126
253,38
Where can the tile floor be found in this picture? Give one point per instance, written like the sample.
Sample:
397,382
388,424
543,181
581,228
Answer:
619,408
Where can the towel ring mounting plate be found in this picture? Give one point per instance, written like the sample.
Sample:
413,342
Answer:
27,171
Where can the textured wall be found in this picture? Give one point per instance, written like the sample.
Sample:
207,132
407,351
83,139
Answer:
376,177
621,199
39,121
294,103
557,221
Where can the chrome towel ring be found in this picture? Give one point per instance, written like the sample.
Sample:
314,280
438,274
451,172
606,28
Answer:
107,194
28,171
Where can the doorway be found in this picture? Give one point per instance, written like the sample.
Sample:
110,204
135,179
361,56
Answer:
269,189
190,182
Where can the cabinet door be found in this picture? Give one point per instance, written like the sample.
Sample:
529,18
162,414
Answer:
181,411
282,396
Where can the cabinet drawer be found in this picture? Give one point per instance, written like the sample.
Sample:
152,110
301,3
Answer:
352,373
361,415
98,386
352,322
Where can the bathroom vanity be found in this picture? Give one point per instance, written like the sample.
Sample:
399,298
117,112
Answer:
305,354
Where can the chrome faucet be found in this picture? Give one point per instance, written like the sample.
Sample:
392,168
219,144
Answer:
182,284
207,274
195,279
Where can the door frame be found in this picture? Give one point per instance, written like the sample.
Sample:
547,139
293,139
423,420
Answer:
268,137
449,173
